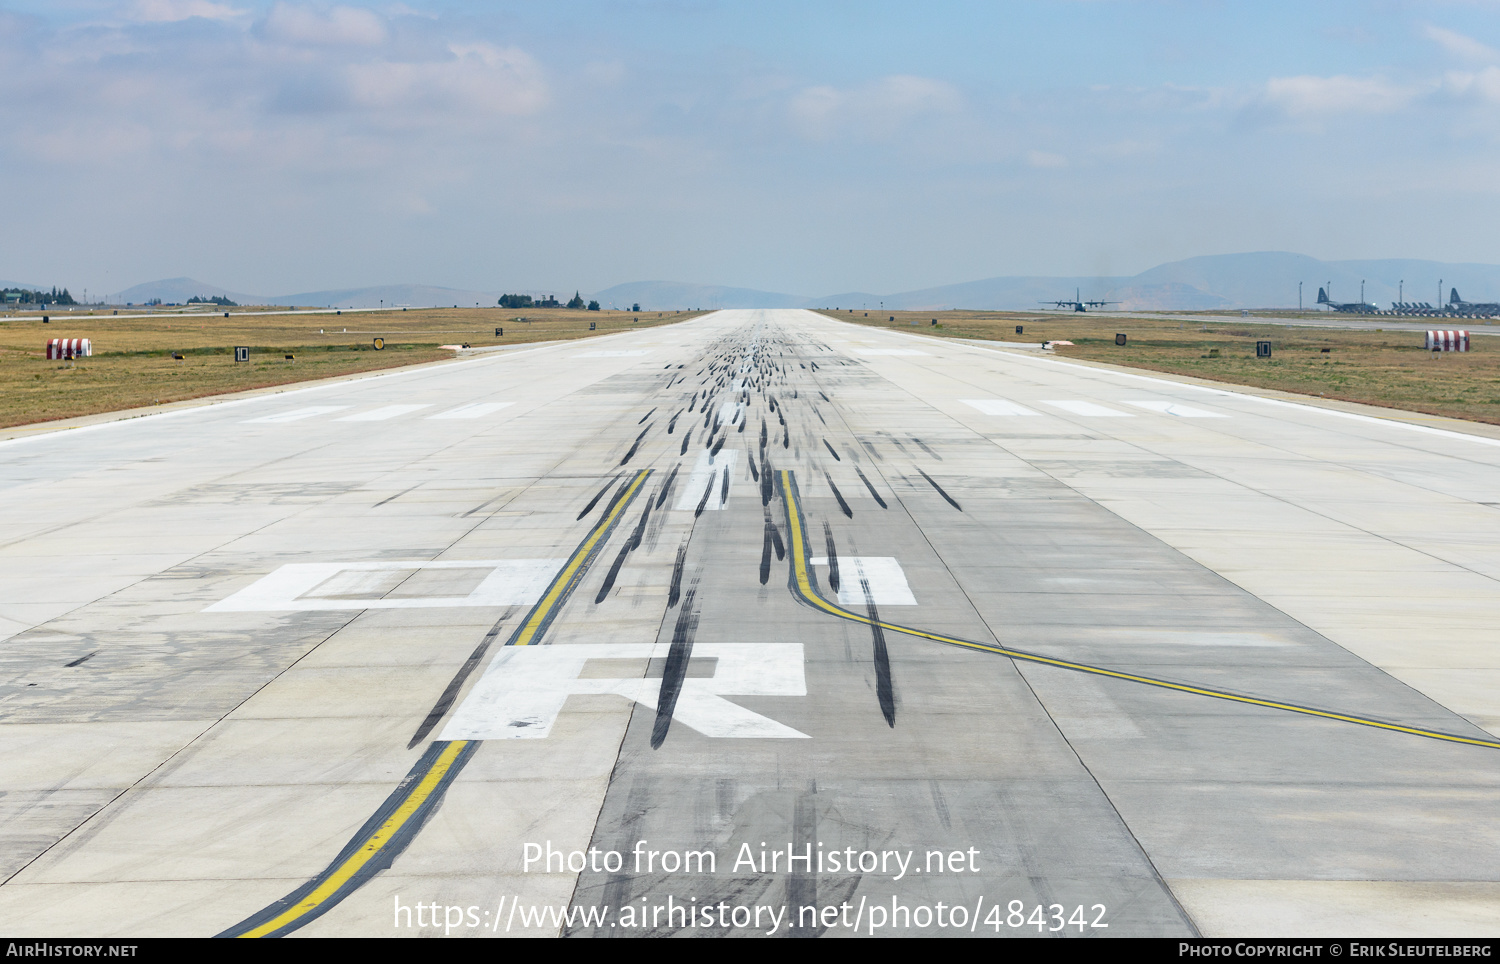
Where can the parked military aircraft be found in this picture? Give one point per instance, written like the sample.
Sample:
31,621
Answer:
1077,304
1353,307
1462,307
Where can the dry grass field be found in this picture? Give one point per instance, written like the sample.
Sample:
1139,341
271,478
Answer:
1386,368
132,364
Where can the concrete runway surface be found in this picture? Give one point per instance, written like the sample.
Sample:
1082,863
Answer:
758,623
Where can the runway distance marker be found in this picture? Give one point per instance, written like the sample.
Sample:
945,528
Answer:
801,584
320,586
523,690
386,834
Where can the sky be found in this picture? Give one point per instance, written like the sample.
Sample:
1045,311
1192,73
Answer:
801,147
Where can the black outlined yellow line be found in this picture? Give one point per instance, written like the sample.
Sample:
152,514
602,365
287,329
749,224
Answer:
392,827
803,588
530,632
371,850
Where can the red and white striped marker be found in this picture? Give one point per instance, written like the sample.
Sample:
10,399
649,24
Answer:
1447,341
69,348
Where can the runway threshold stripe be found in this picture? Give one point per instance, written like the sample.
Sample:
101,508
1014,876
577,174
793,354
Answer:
386,834
802,587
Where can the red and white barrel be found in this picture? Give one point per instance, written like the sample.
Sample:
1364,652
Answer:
69,348
1447,341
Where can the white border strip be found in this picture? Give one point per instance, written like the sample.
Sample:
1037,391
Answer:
420,369
1370,419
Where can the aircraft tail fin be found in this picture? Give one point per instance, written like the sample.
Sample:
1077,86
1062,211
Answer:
1453,298
1322,297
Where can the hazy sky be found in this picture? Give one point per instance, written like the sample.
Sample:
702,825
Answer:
802,147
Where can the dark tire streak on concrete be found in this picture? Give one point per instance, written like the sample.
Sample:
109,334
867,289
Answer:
765,552
666,491
703,502
869,485
940,491
676,589
630,454
675,671
923,446
844,506
640,527
398,495
450,693
885,694
833,557
595,500
609,577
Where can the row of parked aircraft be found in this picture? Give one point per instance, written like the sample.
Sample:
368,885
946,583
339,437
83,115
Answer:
1455,306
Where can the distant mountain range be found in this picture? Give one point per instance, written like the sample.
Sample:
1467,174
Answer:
1266,279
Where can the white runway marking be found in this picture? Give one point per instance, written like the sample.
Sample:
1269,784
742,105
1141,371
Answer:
888,351
1088,408
309,586
1237,396
998,406
381,414
632,353
296,414
709,473
883,574
1175,408
524,689
728,413
477,410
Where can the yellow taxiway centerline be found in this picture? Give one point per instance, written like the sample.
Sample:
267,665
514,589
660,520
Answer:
809,594
565,579
330,885
372,845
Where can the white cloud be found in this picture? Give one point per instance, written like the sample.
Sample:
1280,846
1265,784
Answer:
171,11
480,78
1309,95
1479,85
1043,159
877,108
339,26
1461,46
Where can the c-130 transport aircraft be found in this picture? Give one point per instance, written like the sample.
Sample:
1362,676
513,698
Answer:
1078,304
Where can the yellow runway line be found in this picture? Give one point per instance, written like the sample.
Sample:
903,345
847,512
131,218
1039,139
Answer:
804,589
344,875
399,819
562,584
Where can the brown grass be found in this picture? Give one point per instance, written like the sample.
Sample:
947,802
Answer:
1385,368
132,364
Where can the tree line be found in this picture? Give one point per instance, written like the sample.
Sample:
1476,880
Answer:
29,297
525,301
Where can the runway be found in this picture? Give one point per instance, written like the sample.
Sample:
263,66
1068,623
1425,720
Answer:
760,623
